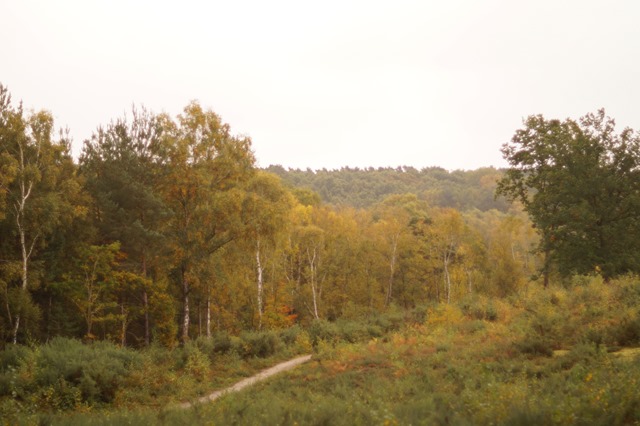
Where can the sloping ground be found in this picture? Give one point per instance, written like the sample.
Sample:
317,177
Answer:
263,375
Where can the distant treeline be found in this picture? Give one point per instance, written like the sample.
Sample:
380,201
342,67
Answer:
361,188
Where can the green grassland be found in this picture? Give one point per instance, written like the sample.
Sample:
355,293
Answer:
564,355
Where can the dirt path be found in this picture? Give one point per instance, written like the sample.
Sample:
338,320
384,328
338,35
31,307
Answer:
283,366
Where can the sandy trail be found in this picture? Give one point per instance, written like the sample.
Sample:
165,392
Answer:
264,374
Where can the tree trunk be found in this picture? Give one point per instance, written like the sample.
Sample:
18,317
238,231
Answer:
392,269
145,305
26,255
447,277
199,317
547,267
312,270
25,192
123,331
208,313
185,304
259,283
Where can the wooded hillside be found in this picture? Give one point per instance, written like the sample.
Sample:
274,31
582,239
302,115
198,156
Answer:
360,188
165,229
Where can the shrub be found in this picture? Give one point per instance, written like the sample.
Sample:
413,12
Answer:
260,344
97,370
322,330
534,345
221,342
12,355
419,314
197,363
627,332
352,331
290,335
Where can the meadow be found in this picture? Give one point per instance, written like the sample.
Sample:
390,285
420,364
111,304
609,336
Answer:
563,355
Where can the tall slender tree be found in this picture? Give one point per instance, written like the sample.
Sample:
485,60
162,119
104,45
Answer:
33,188
204,190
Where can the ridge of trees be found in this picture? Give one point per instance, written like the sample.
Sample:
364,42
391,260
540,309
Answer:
166,230
361,188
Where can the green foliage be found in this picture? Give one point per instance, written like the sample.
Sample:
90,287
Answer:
97,370
479,307
260,344
578,181
65,374
535,345
363,188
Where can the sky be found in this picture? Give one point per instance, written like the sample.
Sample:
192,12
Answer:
329,84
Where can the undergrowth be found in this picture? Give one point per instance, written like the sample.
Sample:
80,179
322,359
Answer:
541,357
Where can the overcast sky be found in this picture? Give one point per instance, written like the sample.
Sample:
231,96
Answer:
330,83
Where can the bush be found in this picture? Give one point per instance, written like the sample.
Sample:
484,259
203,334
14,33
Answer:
197,363
221,342
479,308
260,344
97,370
627,332
321,330
290,335
352,331
534,345
12,355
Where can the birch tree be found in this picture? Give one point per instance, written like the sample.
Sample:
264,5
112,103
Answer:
31,187
203,188
266,210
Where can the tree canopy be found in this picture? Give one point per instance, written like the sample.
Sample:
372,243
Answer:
165,229
579,182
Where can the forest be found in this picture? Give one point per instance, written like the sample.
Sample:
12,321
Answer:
164,243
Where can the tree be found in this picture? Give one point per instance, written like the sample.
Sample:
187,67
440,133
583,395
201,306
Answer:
90,283
579,183
207,168
123,164
34,188
397,219
266,210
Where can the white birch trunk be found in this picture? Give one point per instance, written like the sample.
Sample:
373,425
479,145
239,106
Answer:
208,313
312,270
392,268
25,192
259,271
185,302
447,276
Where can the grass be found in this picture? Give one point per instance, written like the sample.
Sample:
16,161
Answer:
561,356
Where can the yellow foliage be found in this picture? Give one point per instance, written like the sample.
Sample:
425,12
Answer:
303,342
444,315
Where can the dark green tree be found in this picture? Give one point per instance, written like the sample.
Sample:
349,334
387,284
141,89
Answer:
123,164
579,183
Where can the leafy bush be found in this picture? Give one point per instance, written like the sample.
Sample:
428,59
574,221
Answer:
321,330
97,370
221,342
289,335
352,331
534,345
260,344
12,355
627,332
197,363
479,307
